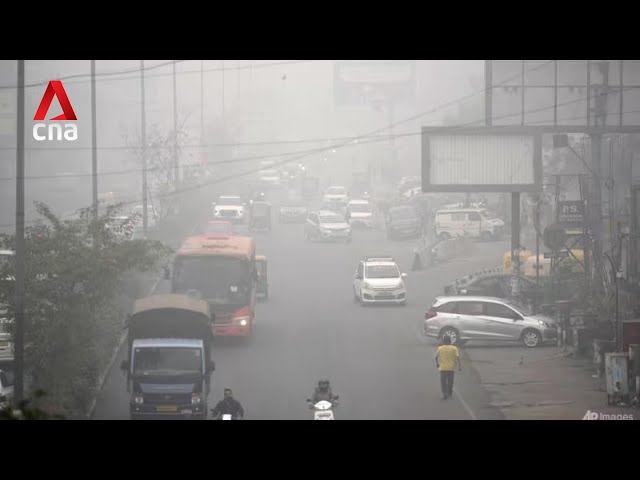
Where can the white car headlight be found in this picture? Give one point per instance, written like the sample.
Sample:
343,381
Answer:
545,324
366,285
138,399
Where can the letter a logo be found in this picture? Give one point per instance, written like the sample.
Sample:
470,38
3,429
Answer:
590,415
55,88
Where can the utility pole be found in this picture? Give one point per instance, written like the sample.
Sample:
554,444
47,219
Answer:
223,95
176,169
94,148
202,151
143,131
18,393
600,115
515,196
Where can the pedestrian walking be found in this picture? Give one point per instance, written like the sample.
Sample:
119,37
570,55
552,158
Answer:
447,358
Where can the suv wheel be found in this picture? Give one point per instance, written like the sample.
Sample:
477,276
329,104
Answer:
531,338
452,333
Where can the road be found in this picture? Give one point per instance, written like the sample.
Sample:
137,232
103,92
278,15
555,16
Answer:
311,327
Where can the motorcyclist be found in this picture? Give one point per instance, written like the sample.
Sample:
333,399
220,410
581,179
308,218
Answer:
322,392
228,406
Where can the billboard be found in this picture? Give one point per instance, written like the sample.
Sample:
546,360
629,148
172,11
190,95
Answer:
480,161
372,83
561,93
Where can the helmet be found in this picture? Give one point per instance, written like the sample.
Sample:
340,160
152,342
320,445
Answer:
323,385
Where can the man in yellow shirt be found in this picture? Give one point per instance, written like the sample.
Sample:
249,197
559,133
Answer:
447,357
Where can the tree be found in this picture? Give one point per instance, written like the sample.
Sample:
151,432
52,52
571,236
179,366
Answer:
79,275
160,161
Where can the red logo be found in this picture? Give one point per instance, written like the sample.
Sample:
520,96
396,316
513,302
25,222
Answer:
55,88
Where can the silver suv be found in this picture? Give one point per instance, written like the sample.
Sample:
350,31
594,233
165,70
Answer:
465,318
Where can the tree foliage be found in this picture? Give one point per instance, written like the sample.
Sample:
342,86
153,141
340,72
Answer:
79,275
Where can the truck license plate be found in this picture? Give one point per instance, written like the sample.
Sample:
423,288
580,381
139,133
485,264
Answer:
167,408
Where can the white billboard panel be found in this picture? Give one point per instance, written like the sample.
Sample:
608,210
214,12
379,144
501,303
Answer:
481,162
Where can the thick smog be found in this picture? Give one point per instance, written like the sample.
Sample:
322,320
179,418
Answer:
319,240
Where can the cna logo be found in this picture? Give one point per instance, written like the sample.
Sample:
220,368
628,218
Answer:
54,131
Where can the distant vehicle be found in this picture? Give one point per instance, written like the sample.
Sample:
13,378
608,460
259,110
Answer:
260,216
230,207
336,194
474,222
407,183
360,213
378,280
403,221
464,318
136,213
221,227
326,225
269,178
293,210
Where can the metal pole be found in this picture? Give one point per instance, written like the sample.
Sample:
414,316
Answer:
515,244
223,95
537,227
488,92
176,170
94,148
202,110
143,130
18,391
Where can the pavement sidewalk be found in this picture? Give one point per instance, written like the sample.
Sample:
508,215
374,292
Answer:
541,383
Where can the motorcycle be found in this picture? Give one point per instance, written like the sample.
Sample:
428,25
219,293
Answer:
323,410
225,416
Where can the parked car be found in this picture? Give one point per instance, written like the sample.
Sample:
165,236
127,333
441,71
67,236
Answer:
474,222
465,318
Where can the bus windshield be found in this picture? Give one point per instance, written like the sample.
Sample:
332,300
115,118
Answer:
223,280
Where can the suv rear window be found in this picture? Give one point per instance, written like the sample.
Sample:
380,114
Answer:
449,307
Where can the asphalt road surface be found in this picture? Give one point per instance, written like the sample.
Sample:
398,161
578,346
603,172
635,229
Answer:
311,328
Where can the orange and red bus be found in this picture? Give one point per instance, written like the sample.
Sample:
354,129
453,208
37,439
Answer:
221,270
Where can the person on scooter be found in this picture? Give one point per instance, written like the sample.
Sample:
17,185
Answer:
228,406
323,392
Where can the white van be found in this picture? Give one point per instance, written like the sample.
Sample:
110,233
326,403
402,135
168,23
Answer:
474,222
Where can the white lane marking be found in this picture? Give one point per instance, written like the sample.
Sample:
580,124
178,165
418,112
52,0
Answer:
464,404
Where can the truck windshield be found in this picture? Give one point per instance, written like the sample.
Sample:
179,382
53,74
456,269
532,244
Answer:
167,361
222,280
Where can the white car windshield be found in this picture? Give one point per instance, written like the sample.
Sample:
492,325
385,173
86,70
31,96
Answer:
382,271
235,201
269,173
331,219
336,191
